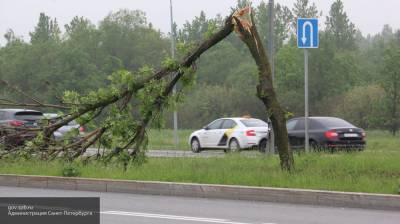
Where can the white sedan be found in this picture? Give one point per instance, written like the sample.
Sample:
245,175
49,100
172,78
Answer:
66,128
231,134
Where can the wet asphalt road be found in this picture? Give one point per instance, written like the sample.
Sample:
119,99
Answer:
119,208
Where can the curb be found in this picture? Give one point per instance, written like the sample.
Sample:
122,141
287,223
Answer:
265,194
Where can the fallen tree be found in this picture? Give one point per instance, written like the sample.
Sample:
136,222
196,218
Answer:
134,99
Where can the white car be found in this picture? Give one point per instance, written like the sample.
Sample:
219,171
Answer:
231,134
66,128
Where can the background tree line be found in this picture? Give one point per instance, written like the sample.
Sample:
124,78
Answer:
351,76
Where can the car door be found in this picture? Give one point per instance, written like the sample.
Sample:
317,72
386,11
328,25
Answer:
298,133
293,132
223,135
210,133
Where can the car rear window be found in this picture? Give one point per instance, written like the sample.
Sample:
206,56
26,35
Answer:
254,123
332,122
28,115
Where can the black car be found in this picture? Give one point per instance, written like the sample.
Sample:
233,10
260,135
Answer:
15,125
326,132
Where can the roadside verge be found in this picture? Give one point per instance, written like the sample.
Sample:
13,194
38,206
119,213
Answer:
267,194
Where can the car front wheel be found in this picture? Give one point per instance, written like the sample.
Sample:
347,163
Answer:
314,146
195,145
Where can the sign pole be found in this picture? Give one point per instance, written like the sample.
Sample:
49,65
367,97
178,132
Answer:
307,37
306,140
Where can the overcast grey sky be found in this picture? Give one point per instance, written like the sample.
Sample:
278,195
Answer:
22,15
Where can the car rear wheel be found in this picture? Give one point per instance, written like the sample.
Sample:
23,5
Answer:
263,146
195,145
233,146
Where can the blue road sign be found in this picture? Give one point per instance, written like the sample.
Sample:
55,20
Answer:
307,33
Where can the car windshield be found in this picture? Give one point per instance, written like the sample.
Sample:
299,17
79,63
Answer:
332,122
254,123
28,115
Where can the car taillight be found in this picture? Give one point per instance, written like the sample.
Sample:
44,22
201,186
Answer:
16,123
81,129
250,133
331,134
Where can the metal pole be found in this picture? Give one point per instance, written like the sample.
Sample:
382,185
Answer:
306,140
176,138
271,59
271,37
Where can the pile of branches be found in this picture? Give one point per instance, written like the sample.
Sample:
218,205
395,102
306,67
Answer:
147,92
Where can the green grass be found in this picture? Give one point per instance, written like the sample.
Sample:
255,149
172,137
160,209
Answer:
375,170
164,139
382,141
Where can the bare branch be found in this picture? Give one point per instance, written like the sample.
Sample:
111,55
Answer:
15,104
15,88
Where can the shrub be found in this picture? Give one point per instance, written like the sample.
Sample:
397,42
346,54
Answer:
70,170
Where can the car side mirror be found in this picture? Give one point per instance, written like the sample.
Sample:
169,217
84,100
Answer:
205,128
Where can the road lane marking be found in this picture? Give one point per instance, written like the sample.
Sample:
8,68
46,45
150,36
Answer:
157,215
172,217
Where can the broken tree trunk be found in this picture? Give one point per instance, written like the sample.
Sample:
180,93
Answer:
248,33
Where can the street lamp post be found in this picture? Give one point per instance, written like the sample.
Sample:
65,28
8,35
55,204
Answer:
271,59
271,36
176,139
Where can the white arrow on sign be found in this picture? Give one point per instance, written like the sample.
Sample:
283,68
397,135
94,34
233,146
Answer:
304,38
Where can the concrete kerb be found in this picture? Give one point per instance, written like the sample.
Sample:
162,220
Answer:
266,194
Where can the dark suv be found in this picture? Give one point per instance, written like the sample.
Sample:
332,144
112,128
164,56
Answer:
326,132
15,125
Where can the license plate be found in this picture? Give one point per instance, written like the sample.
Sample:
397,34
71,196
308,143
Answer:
350,135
